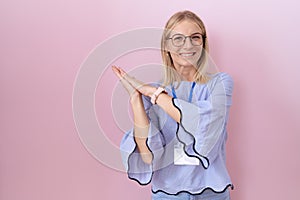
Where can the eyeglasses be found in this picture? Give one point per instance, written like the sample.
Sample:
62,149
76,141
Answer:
178,40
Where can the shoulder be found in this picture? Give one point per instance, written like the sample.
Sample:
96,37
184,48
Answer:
224,79
222,76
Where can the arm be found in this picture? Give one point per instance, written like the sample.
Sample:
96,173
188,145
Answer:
203,124
163,100
143,146
141,122
141,128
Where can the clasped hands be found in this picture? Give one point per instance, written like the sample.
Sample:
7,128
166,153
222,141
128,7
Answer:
134,87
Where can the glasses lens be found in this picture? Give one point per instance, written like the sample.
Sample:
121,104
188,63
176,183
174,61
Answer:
178,40
196,39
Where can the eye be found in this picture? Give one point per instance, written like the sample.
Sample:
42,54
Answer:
196,37
178,38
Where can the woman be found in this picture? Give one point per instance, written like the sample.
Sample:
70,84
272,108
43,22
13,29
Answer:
179,134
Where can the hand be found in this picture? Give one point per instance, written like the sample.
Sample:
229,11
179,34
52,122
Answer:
143,88
133,93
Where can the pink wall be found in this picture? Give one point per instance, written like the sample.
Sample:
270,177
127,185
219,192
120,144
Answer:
43,45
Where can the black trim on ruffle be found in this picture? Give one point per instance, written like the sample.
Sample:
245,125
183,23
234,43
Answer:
141,158
207,188
194,140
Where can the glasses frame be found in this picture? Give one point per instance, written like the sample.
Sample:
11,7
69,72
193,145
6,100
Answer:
190,36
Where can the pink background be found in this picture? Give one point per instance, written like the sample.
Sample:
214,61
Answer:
44,43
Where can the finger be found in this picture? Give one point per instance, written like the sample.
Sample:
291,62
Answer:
115,69
122,72
133,81
137,84
127,86
117,72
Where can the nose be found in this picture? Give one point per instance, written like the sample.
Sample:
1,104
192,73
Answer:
187,43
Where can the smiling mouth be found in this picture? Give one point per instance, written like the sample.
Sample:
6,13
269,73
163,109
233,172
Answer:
186,55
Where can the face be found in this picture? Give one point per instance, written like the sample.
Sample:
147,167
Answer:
186,56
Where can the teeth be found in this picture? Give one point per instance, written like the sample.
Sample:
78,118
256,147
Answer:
187,54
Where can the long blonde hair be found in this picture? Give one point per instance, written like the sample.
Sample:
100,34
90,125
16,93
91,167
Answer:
170,75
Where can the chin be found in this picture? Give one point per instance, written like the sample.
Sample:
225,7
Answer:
186,63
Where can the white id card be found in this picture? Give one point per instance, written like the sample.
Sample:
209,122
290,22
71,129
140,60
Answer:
180,158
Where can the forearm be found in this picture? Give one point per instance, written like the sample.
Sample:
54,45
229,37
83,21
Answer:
165,102
141,129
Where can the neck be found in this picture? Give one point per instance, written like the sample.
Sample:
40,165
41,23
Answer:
190,79
188,75
186,72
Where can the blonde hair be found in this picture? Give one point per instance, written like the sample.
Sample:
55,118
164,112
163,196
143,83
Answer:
170,75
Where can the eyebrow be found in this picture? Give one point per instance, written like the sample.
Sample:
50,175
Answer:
196,33
190,34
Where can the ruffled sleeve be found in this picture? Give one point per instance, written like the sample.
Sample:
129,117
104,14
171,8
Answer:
136,168
202,127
